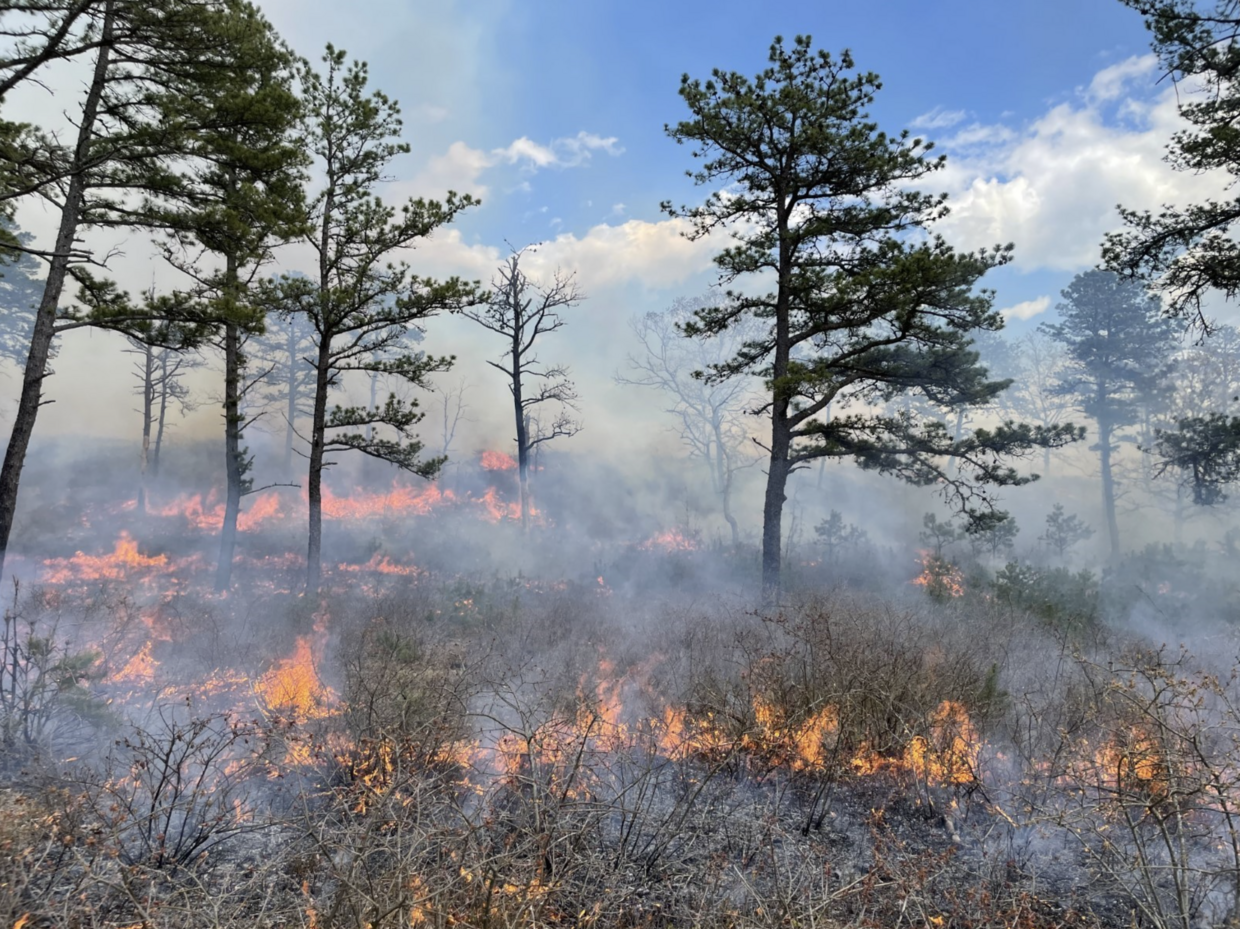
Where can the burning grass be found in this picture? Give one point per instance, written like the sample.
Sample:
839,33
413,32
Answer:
418,749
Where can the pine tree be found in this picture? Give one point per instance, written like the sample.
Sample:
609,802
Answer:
865,303
1119,352
238,196
362,303
118,162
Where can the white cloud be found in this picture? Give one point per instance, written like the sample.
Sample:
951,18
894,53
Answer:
456,169
1111,83
569,152
1052,187
1028,309
460,167
938,118
655,254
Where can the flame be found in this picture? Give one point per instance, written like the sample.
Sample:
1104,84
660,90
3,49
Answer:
671,540
382,564
124,558
207,515
399,501
292,687
940,577
949,755
140,668
497,461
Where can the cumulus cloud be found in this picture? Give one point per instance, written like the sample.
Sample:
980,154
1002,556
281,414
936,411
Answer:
655,254
1052,186
461,167
1112,82
1027,309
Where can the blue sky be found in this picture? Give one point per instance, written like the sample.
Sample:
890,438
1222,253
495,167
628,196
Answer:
482,74
552,111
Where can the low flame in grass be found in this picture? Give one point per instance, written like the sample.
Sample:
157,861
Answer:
671,540
496,461
495,509
1133,763
381,564
138,669
949,754
938,576
124,560
399,501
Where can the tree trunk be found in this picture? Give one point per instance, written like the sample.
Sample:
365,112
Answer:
314,477
523,466
518,406
165,385
1108,485
773,505
45,318
781,428
954,464
723,481
232,450
148,406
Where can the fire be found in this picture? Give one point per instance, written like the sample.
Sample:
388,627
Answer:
140,668
293,687
949,755
382,564
940,577
497,461
495,509
671,540
802,747
1133,762
123,560
399,501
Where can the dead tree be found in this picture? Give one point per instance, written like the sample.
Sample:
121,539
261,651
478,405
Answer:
159,371
711,415
521,311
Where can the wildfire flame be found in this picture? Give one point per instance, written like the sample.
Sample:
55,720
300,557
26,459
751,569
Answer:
671,540
497,461
123,559
938,576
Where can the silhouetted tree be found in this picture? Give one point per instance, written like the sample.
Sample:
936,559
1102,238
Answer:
521,312
1119,350
239,196
712,414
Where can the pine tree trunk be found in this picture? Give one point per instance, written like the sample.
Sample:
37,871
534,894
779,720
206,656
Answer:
148,407
773,505
781,429
314,477
232,453
1108,485
45,318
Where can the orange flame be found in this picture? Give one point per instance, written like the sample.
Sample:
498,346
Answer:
497,461
399,501
123,559
938,576
671,540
